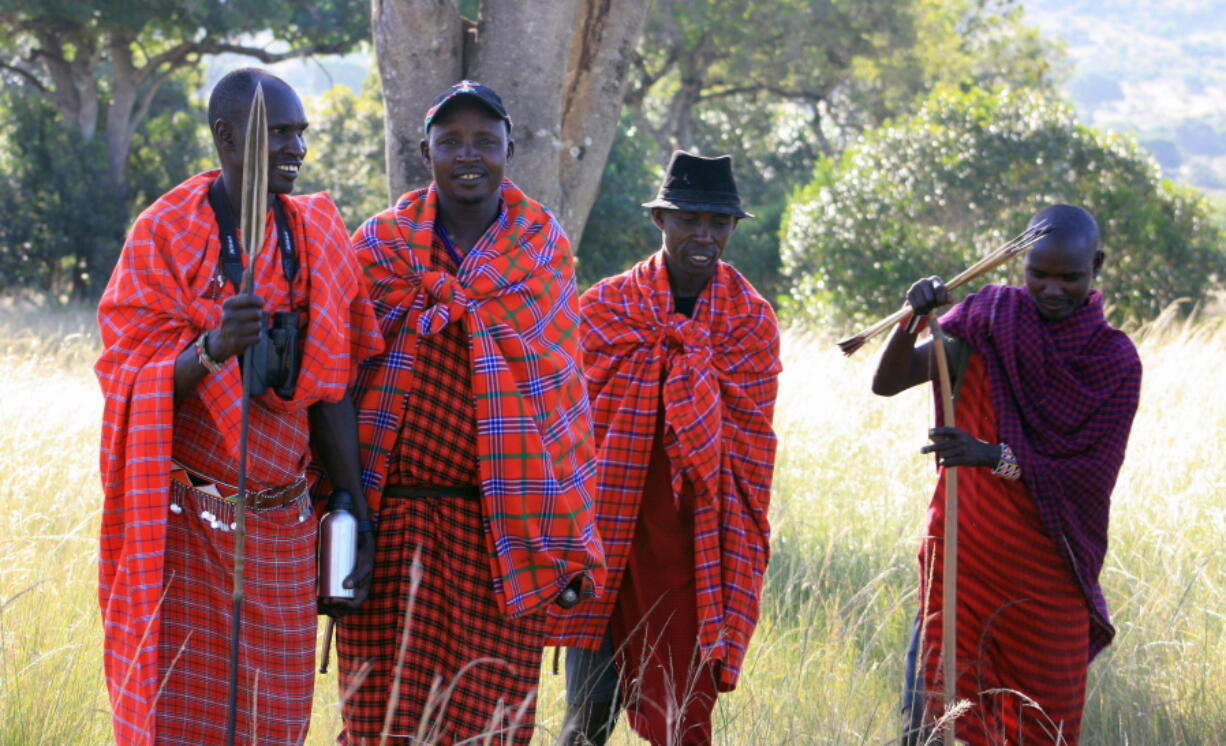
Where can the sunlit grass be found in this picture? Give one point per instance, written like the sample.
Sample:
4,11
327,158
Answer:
851,489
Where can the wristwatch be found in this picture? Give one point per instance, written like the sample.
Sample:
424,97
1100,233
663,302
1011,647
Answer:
203,356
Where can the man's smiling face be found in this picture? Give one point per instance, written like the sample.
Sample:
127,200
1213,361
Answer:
467,150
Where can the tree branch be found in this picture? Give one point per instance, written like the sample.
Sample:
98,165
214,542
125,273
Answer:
146,100
795,93
263,55
29,76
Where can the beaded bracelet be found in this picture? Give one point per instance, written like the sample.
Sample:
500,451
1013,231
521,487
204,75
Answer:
366,527
1008,468
203,356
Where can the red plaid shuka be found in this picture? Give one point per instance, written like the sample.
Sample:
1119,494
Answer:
488,662
1023,622
161,297
722,370
515,294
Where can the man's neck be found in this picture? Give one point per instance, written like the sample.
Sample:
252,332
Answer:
234,192
685,286
466,223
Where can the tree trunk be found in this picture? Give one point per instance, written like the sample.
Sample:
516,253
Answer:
559,67
419,47
522,50
607,32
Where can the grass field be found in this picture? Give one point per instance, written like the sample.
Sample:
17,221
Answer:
850,494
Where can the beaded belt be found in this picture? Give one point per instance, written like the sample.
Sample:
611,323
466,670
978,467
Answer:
273,497
467,491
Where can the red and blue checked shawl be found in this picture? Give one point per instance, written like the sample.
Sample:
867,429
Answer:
1064,393
720,370
515,294
154,307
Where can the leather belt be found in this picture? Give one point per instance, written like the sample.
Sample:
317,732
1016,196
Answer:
273,497
466,491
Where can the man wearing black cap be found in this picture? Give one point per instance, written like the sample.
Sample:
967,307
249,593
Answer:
476,445
681,357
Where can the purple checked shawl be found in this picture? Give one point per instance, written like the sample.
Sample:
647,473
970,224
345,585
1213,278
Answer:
1064,394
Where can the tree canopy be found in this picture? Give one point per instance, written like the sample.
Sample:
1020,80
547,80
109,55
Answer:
928,194
102,65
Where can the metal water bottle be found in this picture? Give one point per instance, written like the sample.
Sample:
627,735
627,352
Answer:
338,546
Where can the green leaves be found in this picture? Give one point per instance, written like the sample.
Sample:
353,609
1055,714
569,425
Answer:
932,192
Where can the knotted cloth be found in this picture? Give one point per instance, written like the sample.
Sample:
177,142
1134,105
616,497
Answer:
1064,393
719,372
515,294
158,301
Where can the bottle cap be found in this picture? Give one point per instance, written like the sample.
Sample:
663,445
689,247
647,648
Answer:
340,500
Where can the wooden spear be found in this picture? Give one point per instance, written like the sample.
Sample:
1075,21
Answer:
254,218
949,600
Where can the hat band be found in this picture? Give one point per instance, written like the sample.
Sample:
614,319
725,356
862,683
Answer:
699,195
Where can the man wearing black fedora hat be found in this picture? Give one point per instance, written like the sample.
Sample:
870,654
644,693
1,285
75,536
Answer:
681,358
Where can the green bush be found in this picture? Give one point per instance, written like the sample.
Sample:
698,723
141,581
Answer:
930,193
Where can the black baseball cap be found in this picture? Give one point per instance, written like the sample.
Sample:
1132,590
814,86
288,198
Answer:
471,89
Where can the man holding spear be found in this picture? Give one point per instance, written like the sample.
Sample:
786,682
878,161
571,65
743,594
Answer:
1045,393
176,318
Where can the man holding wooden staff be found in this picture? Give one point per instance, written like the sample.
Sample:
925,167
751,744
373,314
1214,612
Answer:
1045,393
174,325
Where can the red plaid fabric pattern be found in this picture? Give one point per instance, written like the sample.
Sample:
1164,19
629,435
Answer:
438,436
158,301
1023,622
470,670
277,655
721,371
1064,394
278,444
515,296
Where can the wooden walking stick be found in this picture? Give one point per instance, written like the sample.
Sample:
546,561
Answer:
949,600
254,218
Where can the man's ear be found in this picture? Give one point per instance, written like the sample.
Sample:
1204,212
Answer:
225,136
424,145
657,217
510,149
1099,257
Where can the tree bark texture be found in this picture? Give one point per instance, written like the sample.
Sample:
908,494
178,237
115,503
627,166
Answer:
560,67
419,46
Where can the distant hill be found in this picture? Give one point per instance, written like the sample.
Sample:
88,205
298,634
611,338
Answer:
1157,69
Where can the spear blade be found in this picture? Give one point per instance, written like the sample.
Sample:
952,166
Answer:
254,216
255,182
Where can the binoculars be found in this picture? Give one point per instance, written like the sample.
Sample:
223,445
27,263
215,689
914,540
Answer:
277,356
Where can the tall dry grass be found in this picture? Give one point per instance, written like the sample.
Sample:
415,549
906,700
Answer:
851,489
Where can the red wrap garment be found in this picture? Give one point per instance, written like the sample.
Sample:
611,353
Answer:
1031,612
489,663
162,295
720,373
515,295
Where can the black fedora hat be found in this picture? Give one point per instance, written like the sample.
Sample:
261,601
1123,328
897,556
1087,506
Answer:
699,184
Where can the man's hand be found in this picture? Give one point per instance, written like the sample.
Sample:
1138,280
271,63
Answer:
927,294
359,579
955,447
240,326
